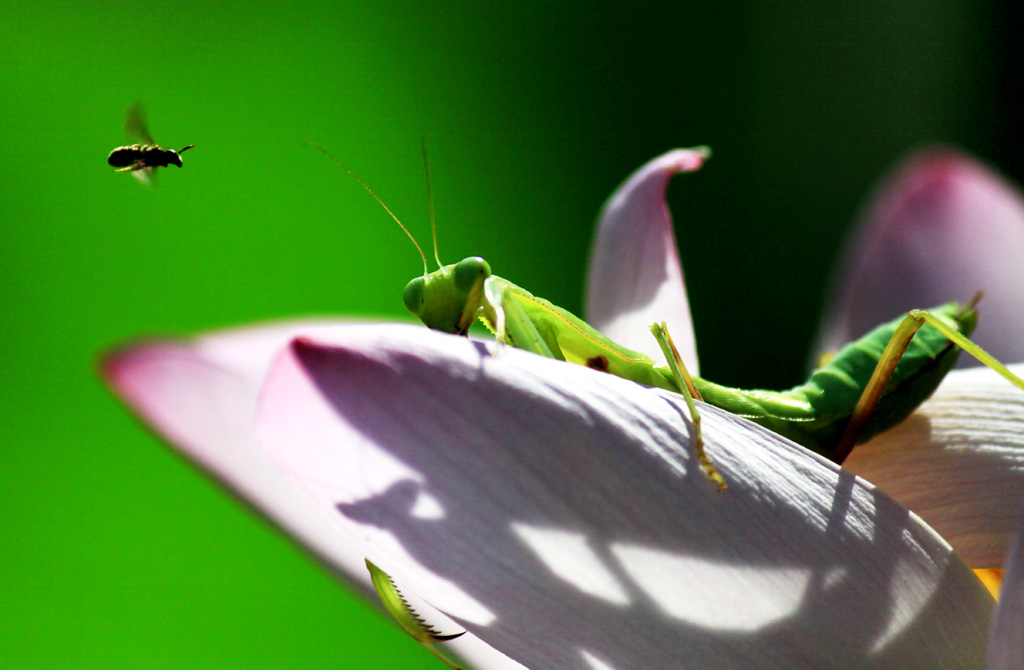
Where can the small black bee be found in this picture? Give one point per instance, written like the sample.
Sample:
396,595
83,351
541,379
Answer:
139,156
142,158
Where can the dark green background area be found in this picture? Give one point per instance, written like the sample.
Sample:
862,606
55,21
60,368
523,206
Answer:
114,553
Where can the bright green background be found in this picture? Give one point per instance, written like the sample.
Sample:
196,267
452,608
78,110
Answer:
114,553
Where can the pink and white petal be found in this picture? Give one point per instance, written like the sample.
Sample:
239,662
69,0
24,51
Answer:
635,278
557,513
201,396
1006,639
958,462
939,228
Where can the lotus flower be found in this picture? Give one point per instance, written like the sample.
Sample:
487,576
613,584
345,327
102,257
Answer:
557,513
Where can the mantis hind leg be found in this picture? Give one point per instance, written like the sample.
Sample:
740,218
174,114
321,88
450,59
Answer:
891,356
689,390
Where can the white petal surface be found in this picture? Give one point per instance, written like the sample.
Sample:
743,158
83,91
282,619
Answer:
201,396
958,462
940,228
557,513
1006,642
635,278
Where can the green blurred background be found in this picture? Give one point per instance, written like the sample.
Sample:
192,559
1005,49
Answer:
114,553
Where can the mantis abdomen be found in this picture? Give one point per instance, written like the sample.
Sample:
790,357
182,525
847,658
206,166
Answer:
814,414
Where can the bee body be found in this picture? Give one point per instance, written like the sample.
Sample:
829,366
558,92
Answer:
143,157
139,156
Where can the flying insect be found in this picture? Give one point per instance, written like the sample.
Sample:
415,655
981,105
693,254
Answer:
144,156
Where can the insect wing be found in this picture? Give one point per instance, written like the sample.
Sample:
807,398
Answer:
138,134
135,125
146,175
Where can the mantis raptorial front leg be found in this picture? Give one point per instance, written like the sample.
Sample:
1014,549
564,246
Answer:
511,323
689,391
408,618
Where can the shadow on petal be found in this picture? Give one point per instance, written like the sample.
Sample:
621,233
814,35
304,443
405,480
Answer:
571,509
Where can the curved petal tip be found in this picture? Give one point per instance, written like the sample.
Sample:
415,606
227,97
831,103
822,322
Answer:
635,277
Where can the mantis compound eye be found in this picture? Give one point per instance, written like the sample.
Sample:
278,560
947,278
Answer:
469,272
413,297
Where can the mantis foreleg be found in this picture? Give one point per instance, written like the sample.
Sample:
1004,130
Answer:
411,622
511,322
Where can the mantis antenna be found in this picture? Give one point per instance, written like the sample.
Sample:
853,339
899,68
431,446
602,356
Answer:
370,191
430,200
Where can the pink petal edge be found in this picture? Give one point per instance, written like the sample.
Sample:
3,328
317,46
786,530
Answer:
201,395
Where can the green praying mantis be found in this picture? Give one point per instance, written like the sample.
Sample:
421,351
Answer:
869,386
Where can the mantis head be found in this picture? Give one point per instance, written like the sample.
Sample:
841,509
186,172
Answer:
450,298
